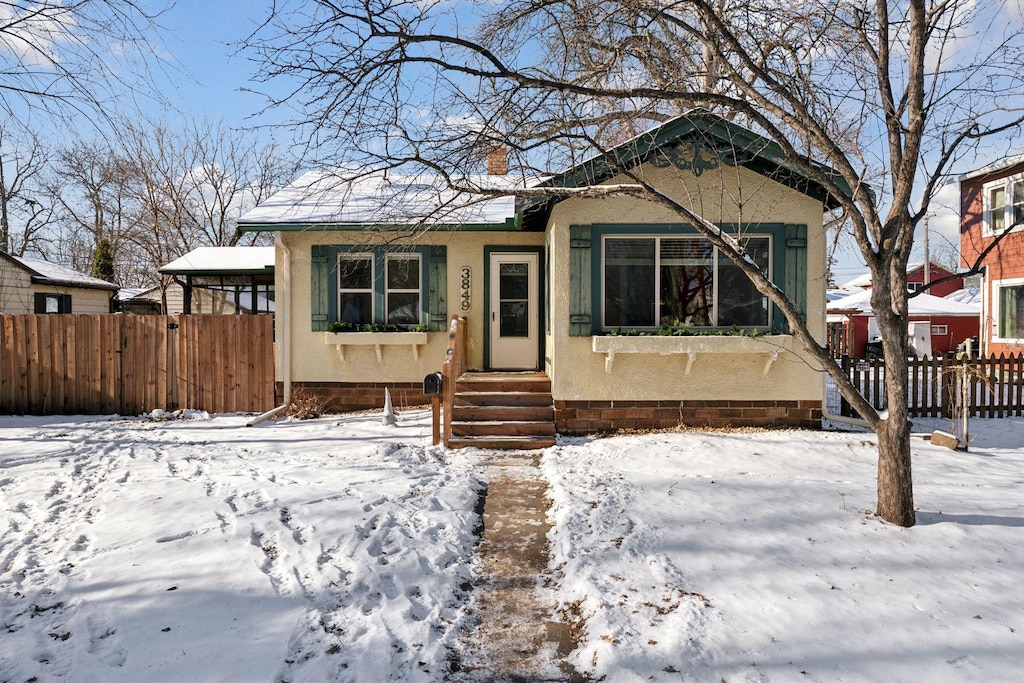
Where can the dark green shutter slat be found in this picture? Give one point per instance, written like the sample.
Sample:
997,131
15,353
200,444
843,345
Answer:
796,267
437,289
320,288
64,303
40,303
580,304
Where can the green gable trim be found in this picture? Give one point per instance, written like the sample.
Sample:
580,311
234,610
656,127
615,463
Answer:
743,147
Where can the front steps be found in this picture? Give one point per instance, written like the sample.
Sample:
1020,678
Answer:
503,410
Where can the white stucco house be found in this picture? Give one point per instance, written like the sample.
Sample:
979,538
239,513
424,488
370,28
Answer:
559,286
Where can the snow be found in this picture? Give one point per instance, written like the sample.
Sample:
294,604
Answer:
222,259
55,273
922,304
380,199
188,547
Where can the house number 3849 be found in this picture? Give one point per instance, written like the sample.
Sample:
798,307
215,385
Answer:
465,288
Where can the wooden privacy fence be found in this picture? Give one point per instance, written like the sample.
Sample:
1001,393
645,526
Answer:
132,364
988,387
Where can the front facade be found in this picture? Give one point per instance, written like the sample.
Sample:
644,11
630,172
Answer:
616,299
991,205
30,285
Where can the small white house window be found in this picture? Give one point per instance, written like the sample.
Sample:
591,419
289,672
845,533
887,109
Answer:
355,288
940,330
1003,201
914,287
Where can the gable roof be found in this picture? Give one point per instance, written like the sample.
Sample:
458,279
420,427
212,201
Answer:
864,279
697,140
223,261
48,273
995,167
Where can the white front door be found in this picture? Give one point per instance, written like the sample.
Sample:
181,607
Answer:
514,313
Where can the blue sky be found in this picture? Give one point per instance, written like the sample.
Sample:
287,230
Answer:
201,37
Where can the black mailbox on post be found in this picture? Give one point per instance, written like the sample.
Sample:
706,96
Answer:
432,384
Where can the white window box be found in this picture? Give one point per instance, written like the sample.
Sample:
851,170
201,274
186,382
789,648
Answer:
699,345
378,340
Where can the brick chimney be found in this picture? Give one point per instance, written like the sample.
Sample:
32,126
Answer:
497,161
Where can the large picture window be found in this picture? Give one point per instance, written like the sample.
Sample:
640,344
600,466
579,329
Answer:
680,281
1010,310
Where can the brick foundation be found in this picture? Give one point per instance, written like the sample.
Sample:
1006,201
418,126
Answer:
345,397
587,417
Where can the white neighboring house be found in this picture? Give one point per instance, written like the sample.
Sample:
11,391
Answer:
29,285
219,280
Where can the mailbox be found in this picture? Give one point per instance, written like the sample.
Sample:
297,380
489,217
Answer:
432,384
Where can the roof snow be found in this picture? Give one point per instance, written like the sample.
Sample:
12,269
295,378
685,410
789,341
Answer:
922,304
222,260
55,273
384,199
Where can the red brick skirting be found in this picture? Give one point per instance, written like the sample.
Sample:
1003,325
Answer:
345,397
583,417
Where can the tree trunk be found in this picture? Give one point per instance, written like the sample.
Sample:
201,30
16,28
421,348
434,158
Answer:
895,482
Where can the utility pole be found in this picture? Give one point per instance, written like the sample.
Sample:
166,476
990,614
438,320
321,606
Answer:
927,257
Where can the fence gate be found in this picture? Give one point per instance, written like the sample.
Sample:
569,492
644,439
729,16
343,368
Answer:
131,364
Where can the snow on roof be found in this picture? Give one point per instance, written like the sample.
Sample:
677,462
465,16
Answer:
864,280
222,260
922,304
55,273
383,199
994,167
967,295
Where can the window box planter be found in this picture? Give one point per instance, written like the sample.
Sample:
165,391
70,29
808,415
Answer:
769,346
378,340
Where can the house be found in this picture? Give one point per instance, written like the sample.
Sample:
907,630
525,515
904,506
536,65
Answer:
218,280
936,325
916,280
548,284
992,203
30,285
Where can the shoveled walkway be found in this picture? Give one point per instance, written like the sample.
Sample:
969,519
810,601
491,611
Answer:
516,638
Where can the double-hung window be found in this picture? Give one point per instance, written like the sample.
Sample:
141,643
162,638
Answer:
380,287
1003,204
680,281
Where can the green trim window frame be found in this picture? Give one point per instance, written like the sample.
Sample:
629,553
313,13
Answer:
1003,205
1009,310
678,278
377,285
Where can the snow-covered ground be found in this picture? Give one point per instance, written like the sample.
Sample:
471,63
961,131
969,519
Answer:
341,550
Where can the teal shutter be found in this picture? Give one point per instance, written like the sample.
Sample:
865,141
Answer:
320,288
580,304
437,288
795,284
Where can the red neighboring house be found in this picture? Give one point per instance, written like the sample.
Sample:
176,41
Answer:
915,280
991,203
947,322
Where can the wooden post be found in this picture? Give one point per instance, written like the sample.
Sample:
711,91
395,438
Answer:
435,427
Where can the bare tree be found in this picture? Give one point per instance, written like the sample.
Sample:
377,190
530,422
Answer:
888,95
61,59
25,208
